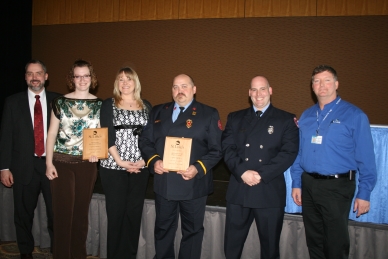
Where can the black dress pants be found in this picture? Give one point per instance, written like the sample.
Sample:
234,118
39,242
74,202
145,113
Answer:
269,222
25,201
124,197
192,214
326,205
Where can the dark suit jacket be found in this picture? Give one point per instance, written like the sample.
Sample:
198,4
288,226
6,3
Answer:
205,132
269,146
17,136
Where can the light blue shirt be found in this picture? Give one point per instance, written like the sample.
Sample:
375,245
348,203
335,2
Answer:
176,110
262,110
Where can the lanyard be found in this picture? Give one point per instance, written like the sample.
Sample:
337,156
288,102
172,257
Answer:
324,118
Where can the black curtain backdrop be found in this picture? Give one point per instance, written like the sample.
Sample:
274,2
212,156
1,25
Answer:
16,25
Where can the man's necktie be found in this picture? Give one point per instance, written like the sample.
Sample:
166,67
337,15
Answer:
258,113
38,128
181,108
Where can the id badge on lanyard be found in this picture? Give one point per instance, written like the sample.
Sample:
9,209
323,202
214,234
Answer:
316,139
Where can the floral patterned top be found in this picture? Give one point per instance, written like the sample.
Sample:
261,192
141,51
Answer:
74,116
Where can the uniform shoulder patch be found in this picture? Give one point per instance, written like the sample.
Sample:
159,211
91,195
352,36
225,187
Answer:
296,122
219,124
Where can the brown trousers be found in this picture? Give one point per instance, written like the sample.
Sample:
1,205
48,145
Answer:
71,195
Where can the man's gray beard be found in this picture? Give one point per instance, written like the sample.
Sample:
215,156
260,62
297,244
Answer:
36,88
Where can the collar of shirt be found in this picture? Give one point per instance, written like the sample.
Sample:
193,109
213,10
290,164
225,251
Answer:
32,100
328,106
31,95
176,106
176,110
262,110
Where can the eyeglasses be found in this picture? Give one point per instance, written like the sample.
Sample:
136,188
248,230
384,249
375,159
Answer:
81,77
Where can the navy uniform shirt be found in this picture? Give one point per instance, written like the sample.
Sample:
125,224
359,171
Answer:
346,144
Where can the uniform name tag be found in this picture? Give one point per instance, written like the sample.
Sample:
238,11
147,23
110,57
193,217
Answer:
316,139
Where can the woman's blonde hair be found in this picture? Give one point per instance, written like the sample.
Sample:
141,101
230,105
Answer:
130,73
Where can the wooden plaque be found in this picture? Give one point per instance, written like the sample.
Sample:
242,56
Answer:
95,143
177,153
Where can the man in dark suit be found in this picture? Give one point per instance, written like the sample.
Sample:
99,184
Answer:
22,152
259,144
182,192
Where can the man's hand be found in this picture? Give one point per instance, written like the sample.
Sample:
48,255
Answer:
361,206
7,178
189,174
297,196
158,167
251,177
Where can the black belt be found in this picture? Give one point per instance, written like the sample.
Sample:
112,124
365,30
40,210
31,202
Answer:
349,174
137,128
41,157
127,126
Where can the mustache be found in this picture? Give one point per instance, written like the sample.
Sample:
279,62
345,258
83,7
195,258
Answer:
181,94
35,81
36,84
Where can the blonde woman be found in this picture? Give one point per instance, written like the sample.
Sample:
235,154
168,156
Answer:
123,175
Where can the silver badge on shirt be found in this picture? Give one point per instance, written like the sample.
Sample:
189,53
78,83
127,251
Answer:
270,129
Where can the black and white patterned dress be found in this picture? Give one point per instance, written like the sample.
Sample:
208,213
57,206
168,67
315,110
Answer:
126,137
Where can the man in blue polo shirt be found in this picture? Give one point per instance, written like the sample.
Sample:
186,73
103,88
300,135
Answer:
335,143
